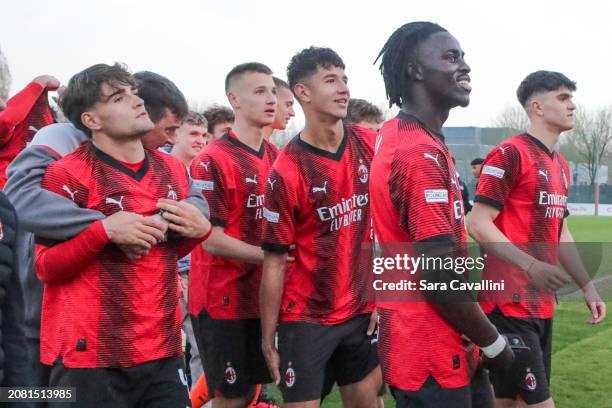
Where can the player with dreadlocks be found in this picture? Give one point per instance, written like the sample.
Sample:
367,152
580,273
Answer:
425,353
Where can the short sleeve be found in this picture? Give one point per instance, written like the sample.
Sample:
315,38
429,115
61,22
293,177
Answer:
210,179
500,173
418,185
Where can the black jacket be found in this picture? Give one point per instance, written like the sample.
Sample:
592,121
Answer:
13,354
465,196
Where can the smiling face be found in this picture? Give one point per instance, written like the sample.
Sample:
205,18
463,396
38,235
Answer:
190,140
442,70
253,97
326,92
119,113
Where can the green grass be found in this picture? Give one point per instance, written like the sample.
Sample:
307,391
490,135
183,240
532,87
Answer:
582,354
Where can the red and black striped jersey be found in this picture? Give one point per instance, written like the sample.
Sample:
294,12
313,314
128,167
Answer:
232,177
319,201
416,198
529,185
114,312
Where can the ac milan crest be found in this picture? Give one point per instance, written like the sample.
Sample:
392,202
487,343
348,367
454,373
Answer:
290,376
530,381
363,172
230,374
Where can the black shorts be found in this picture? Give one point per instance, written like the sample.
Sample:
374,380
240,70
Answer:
314,356
432,395
232,356
529,375
158,384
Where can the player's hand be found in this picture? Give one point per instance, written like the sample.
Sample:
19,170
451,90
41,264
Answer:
60,92
133,252
184,218
48,82
546,276
165,225
126,228
502,361
595,304
272,360
373,322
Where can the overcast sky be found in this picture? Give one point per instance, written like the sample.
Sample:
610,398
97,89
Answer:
195,43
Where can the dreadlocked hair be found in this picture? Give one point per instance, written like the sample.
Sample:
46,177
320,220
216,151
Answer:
398,52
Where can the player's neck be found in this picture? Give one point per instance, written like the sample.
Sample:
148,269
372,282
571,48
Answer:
248,134
126,150
267,133
323,134
545,134
427,114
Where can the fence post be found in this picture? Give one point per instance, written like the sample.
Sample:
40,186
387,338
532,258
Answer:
596,198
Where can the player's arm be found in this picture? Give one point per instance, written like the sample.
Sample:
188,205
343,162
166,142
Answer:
281,205
270,296
458,307
196,199
225,246
20,105
483,229
45,213
420,186
215,186
572,263
61,262
500,173
52,215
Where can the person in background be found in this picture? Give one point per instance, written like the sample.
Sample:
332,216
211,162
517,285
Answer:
365,114
220,120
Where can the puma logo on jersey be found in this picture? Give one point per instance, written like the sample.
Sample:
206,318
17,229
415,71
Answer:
271,184
119,203
70,193
205,165
431,157
543,173
320,189
251,180
503,149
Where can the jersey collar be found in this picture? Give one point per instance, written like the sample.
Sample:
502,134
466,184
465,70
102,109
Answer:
232,138
541,145
410,118
324,153
136,175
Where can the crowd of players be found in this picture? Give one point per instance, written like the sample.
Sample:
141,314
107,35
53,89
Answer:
269,244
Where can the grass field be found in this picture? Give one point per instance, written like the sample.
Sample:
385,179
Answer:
582,354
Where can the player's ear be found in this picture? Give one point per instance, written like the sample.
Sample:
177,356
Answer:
302,92
415,71
91,120
535,107
233,100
